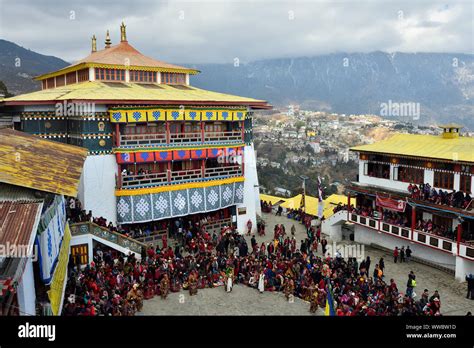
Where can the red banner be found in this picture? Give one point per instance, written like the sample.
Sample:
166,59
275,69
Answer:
390,203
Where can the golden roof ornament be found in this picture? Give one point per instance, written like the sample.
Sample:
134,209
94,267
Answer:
123,33
94,44
107,40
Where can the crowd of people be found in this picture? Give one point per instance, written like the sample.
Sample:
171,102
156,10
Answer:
265,206
401,219
426,192
117,285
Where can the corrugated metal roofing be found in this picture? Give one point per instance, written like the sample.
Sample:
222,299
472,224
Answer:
18,223
429,146
15,193
29,161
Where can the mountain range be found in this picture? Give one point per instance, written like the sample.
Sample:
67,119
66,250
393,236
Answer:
441,84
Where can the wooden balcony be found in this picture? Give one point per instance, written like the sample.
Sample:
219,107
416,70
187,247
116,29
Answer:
222,136
178,138
142,139
153,139
143,179
190,174
223,171
177,176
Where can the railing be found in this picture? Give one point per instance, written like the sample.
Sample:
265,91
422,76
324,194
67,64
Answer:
223,136
142,139
143,179
153,237
419,237
179,138
190,174
83,228
223,171
153,179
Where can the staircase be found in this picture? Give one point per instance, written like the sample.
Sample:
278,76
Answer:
112,239
332,226
336,219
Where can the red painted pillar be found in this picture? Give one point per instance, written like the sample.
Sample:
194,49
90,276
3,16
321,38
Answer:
243,162
117,134
169,171
167,125
243,130
203,166
119,177
202,131
459,236
413,221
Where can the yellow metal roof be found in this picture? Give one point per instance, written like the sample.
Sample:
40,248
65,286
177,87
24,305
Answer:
29,161
312,204
429,146
271,199
117,91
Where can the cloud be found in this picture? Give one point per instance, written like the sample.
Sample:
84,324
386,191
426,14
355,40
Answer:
219,31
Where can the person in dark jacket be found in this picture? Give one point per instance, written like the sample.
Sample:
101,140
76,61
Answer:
382,264
470,286
402,254
367,264
408,253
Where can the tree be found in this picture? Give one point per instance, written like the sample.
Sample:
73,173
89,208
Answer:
4,90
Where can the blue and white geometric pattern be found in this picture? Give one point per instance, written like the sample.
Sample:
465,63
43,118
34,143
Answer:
196,200
124,209
142,207
161,205
179,202
213,201
227,194
239,192
157,206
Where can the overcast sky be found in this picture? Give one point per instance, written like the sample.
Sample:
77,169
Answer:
219,31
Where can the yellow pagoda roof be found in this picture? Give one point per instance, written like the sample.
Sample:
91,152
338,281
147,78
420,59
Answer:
426,146
111,92
271,199
312,204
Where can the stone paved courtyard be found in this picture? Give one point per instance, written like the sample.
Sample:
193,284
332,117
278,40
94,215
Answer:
241,301
247,301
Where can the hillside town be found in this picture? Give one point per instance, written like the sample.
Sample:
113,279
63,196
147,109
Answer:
293,142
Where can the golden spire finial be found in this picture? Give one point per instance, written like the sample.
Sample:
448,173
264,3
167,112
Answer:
107,40
94,44
123,33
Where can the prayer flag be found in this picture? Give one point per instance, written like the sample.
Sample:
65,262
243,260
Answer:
329,311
